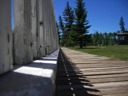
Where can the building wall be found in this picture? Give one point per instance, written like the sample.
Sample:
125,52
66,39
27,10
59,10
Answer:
5,37
51,38
41,27
23,43
34,35
47,38
34,29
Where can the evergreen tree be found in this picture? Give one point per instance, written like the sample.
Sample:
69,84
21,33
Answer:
61,27
68,15
122,24
61,24
81,21
59,33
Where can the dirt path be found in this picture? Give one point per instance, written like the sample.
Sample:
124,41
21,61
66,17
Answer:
82,74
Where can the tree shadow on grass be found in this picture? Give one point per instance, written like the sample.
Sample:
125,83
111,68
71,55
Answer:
71,81
88,48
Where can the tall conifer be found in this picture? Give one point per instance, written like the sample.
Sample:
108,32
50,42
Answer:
81,22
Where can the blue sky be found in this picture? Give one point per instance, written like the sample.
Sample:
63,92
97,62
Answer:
12,13
103,15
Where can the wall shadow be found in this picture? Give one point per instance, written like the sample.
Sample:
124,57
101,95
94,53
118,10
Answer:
35,79
71,81
19,84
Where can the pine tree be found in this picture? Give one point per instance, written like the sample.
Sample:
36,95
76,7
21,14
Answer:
61,27
61,24
68,15
59,33
122,24
81,21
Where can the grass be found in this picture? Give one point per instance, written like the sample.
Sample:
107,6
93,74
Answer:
118,52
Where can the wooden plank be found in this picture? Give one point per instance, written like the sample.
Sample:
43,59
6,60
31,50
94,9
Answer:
114,91
97,76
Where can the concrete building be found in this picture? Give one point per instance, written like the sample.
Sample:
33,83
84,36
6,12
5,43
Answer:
34,25
34,36
5,37
43,16
23,43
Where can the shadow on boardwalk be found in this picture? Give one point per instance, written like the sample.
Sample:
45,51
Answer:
71,81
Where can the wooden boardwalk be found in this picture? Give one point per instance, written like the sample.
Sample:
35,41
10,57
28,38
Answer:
82,74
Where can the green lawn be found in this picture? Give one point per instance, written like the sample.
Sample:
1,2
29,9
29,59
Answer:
118,52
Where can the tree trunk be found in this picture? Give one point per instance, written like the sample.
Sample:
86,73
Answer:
81,44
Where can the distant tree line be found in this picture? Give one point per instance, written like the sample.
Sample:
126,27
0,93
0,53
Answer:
108,38
100,39
73,28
